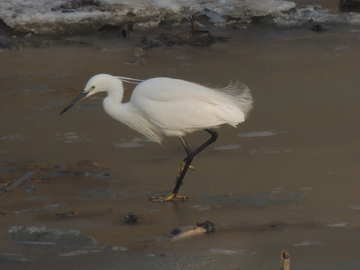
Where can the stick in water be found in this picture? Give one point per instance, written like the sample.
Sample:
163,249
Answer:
285,260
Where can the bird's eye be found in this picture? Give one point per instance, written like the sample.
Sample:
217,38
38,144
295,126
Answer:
92,87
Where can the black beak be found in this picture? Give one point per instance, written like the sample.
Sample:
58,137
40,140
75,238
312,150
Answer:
79,97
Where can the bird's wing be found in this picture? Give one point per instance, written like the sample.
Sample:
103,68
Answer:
179,107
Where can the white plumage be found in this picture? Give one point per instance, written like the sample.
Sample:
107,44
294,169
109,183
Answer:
171,107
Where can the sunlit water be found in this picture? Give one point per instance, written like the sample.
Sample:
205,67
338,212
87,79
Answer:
286,179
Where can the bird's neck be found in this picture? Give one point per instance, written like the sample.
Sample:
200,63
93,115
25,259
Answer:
114,107
115,96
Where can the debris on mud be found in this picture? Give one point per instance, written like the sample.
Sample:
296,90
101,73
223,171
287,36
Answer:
66,214
97,164
131,218
208,226
45,172
317,28
187,231
26,177
349,4
31,235
193,37
5,182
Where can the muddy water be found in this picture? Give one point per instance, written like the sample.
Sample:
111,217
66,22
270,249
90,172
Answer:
285,179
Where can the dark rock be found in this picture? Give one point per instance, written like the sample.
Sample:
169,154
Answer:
131,218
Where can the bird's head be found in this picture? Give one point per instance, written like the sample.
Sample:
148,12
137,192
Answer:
98,83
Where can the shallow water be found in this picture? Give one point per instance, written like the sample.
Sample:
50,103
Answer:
286,179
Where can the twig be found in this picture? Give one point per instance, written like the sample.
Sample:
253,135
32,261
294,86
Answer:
192,22
19,181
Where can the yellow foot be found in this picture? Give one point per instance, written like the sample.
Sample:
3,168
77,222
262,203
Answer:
167,198
172,196
181,167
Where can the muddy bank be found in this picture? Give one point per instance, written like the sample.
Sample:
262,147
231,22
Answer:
149,30
85,16
79,16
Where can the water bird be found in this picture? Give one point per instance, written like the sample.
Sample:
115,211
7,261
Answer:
162,106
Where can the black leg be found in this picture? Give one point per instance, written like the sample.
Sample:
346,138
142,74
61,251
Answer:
213,138
188,161
190,156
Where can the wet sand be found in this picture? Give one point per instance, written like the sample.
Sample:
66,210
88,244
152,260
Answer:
286,179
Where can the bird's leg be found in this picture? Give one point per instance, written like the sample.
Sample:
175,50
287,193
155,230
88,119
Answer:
213,138
188,160
183,170
181,167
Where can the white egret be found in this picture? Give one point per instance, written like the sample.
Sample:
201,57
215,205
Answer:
171,107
